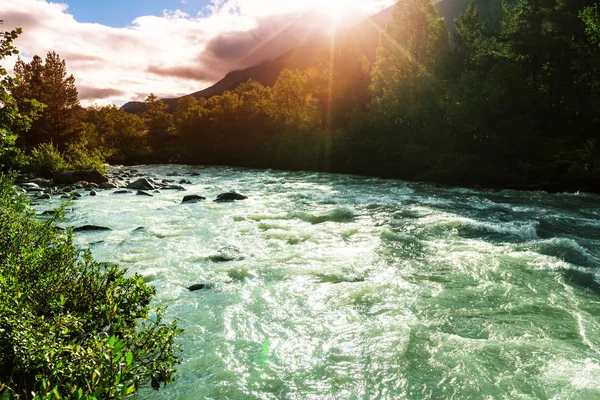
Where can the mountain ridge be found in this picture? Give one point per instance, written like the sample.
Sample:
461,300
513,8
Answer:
365,36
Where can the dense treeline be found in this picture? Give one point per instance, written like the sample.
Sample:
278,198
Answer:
511,102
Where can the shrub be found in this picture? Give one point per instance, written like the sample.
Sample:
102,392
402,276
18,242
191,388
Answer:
80,157
71,327
45,160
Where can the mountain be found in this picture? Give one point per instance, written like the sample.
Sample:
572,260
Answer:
365,36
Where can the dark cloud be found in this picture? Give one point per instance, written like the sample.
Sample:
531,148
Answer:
230,51
92,93
186,72
18,19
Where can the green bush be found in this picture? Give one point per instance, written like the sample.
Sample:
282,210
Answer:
71,327
80,157
45,160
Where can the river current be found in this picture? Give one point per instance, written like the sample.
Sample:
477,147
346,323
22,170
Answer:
359,288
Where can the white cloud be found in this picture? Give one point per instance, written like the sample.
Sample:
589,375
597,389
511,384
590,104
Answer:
176,53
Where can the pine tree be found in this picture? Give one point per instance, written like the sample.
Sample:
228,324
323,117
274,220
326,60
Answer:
48,83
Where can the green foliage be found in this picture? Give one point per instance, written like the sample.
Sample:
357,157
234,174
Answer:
46,82
46,160
79,156
12,119
159,125
71,327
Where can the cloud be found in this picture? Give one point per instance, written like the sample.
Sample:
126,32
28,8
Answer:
172,54
92,93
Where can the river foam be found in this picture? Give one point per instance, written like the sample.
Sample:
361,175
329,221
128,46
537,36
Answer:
349,288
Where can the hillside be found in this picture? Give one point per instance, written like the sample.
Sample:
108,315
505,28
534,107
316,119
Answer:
365,36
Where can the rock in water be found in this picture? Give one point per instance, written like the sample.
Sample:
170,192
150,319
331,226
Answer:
141,184
93,193
229,253
70,177
108,185
194,198
199,286
122,192
185,182
231,196
173,187
91,228
142,193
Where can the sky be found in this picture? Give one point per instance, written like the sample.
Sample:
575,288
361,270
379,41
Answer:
122,50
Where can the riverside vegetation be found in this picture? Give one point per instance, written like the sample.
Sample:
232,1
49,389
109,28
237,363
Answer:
509,101
513,102
70,327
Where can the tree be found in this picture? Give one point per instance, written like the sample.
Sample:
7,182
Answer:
47,82
469,36
414,42
159,125
12,119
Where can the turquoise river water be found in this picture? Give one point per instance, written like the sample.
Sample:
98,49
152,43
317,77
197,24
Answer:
360,288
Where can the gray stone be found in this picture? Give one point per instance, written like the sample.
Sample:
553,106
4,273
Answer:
141,184
30,185
41,181
193,198
93,193
229,253
70,177
108,185
91,228
200,286
122,192
231,196
173,187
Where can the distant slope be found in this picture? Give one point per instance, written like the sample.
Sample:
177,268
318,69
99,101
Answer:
365,36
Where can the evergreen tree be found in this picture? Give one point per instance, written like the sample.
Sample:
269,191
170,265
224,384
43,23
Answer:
48,83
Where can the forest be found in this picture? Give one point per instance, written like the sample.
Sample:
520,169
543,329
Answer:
512,102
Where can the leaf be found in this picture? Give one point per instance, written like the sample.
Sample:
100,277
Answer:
129,358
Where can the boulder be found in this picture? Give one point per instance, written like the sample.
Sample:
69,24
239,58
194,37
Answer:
229,253
70,177
108,185
194,174
140,229
173,187
193,198
76,195
41,181
141,184
93,193
142,193
91,228
199,286
122,192
185,182
30,185
231,196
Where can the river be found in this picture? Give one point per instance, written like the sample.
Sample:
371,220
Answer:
361,288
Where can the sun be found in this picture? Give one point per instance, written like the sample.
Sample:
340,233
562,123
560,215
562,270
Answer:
337,10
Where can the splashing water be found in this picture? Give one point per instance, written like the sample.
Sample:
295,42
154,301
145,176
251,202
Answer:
354,288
